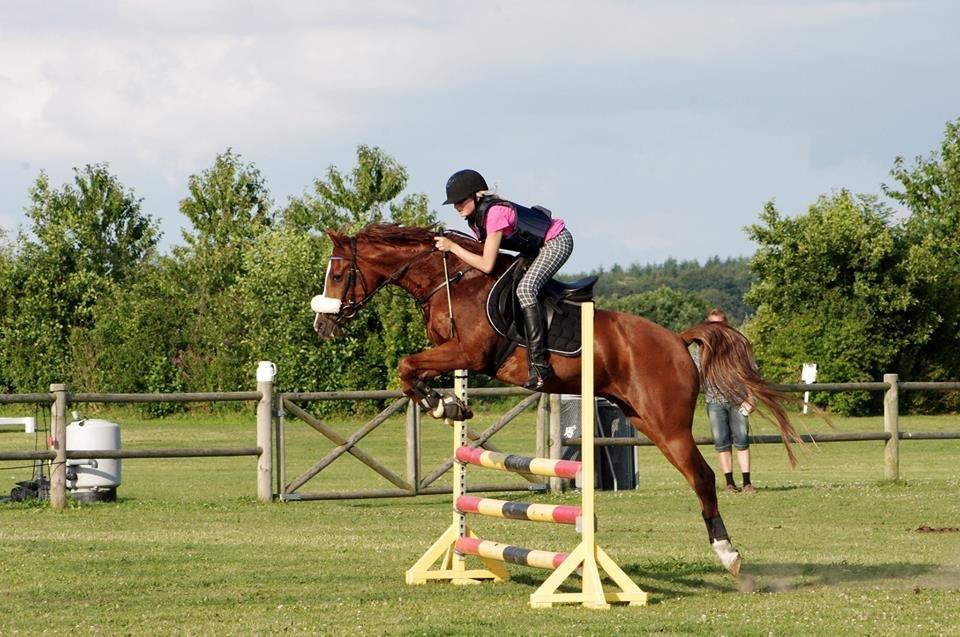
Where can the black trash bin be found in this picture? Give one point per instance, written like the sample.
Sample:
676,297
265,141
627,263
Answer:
615,468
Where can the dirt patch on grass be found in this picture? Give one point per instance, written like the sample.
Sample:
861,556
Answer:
929,529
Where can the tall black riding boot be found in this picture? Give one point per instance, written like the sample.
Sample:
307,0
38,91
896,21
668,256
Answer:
540,370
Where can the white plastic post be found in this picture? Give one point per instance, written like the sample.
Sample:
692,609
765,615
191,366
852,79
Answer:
808,375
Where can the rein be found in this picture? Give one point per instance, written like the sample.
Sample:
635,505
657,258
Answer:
446,284
446,280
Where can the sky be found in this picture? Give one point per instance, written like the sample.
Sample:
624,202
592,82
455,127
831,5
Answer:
656,130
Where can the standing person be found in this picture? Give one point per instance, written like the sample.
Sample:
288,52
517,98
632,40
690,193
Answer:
729,425
499,223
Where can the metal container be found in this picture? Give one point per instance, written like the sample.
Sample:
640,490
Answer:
615,468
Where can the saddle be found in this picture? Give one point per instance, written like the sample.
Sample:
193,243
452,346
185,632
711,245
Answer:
561,311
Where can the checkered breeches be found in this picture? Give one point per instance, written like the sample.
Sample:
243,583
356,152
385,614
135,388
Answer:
553,255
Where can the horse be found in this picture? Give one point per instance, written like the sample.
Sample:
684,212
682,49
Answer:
643,368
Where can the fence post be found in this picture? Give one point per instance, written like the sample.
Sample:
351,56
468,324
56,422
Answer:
266,371
543,424
413,445
891,425
58,442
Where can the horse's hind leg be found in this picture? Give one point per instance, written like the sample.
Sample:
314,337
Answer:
680,449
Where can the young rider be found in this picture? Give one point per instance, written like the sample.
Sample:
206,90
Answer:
499,223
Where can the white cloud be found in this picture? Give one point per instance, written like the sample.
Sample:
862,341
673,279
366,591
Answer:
628,113
186,76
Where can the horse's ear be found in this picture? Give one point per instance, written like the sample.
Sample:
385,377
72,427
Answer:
337,238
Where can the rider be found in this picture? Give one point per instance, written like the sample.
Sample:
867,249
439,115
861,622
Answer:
531,232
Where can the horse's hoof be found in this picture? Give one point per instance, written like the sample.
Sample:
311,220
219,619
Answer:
728,555
734,568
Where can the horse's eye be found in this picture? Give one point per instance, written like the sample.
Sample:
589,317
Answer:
337,278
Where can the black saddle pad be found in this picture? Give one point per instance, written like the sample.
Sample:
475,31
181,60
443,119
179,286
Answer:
561,304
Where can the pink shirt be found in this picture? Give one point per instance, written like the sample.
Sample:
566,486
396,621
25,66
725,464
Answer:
503,218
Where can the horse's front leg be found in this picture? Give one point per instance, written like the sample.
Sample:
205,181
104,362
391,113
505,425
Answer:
417,370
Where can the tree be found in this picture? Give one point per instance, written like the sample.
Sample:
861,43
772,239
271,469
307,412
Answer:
9,301
350,202
393,326
721,282
86,237
138,338
283,271
831,288
930,189
228,206
670,308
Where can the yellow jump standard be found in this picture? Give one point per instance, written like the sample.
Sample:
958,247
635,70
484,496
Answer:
445,559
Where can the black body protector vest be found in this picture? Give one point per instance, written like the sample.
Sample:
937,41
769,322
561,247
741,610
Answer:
529,232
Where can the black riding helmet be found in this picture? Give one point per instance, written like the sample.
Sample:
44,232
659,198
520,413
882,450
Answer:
464,184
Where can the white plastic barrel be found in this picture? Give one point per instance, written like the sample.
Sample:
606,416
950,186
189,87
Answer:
99,475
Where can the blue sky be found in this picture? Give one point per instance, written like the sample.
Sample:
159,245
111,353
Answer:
655,129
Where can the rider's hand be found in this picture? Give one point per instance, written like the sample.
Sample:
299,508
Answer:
442,244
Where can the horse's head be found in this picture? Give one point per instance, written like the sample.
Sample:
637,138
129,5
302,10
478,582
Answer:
344,288
359,266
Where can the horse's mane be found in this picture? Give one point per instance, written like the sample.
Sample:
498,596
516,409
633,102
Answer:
396,235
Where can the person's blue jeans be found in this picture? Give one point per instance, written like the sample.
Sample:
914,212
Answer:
729,427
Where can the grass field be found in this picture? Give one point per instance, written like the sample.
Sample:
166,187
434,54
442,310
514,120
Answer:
828,548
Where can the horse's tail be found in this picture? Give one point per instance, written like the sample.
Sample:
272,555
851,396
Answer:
727,363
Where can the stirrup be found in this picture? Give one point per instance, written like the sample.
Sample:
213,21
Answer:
538,376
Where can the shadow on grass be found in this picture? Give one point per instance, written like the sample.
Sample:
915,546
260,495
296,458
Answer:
785,487
426,501
663,580
673,579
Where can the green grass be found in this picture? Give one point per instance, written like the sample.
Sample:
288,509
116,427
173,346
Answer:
829,548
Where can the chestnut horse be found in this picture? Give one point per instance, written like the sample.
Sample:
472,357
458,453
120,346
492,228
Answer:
643,368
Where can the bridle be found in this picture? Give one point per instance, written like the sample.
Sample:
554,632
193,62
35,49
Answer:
348,299
350,306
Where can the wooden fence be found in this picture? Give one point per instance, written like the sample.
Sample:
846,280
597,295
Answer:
891,434
60,399
415,482
549,442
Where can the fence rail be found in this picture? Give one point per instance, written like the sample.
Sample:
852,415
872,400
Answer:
60,399
409,485
173,397
891,434
549,441
765,439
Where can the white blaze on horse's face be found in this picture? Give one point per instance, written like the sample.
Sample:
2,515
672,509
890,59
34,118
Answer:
323,304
